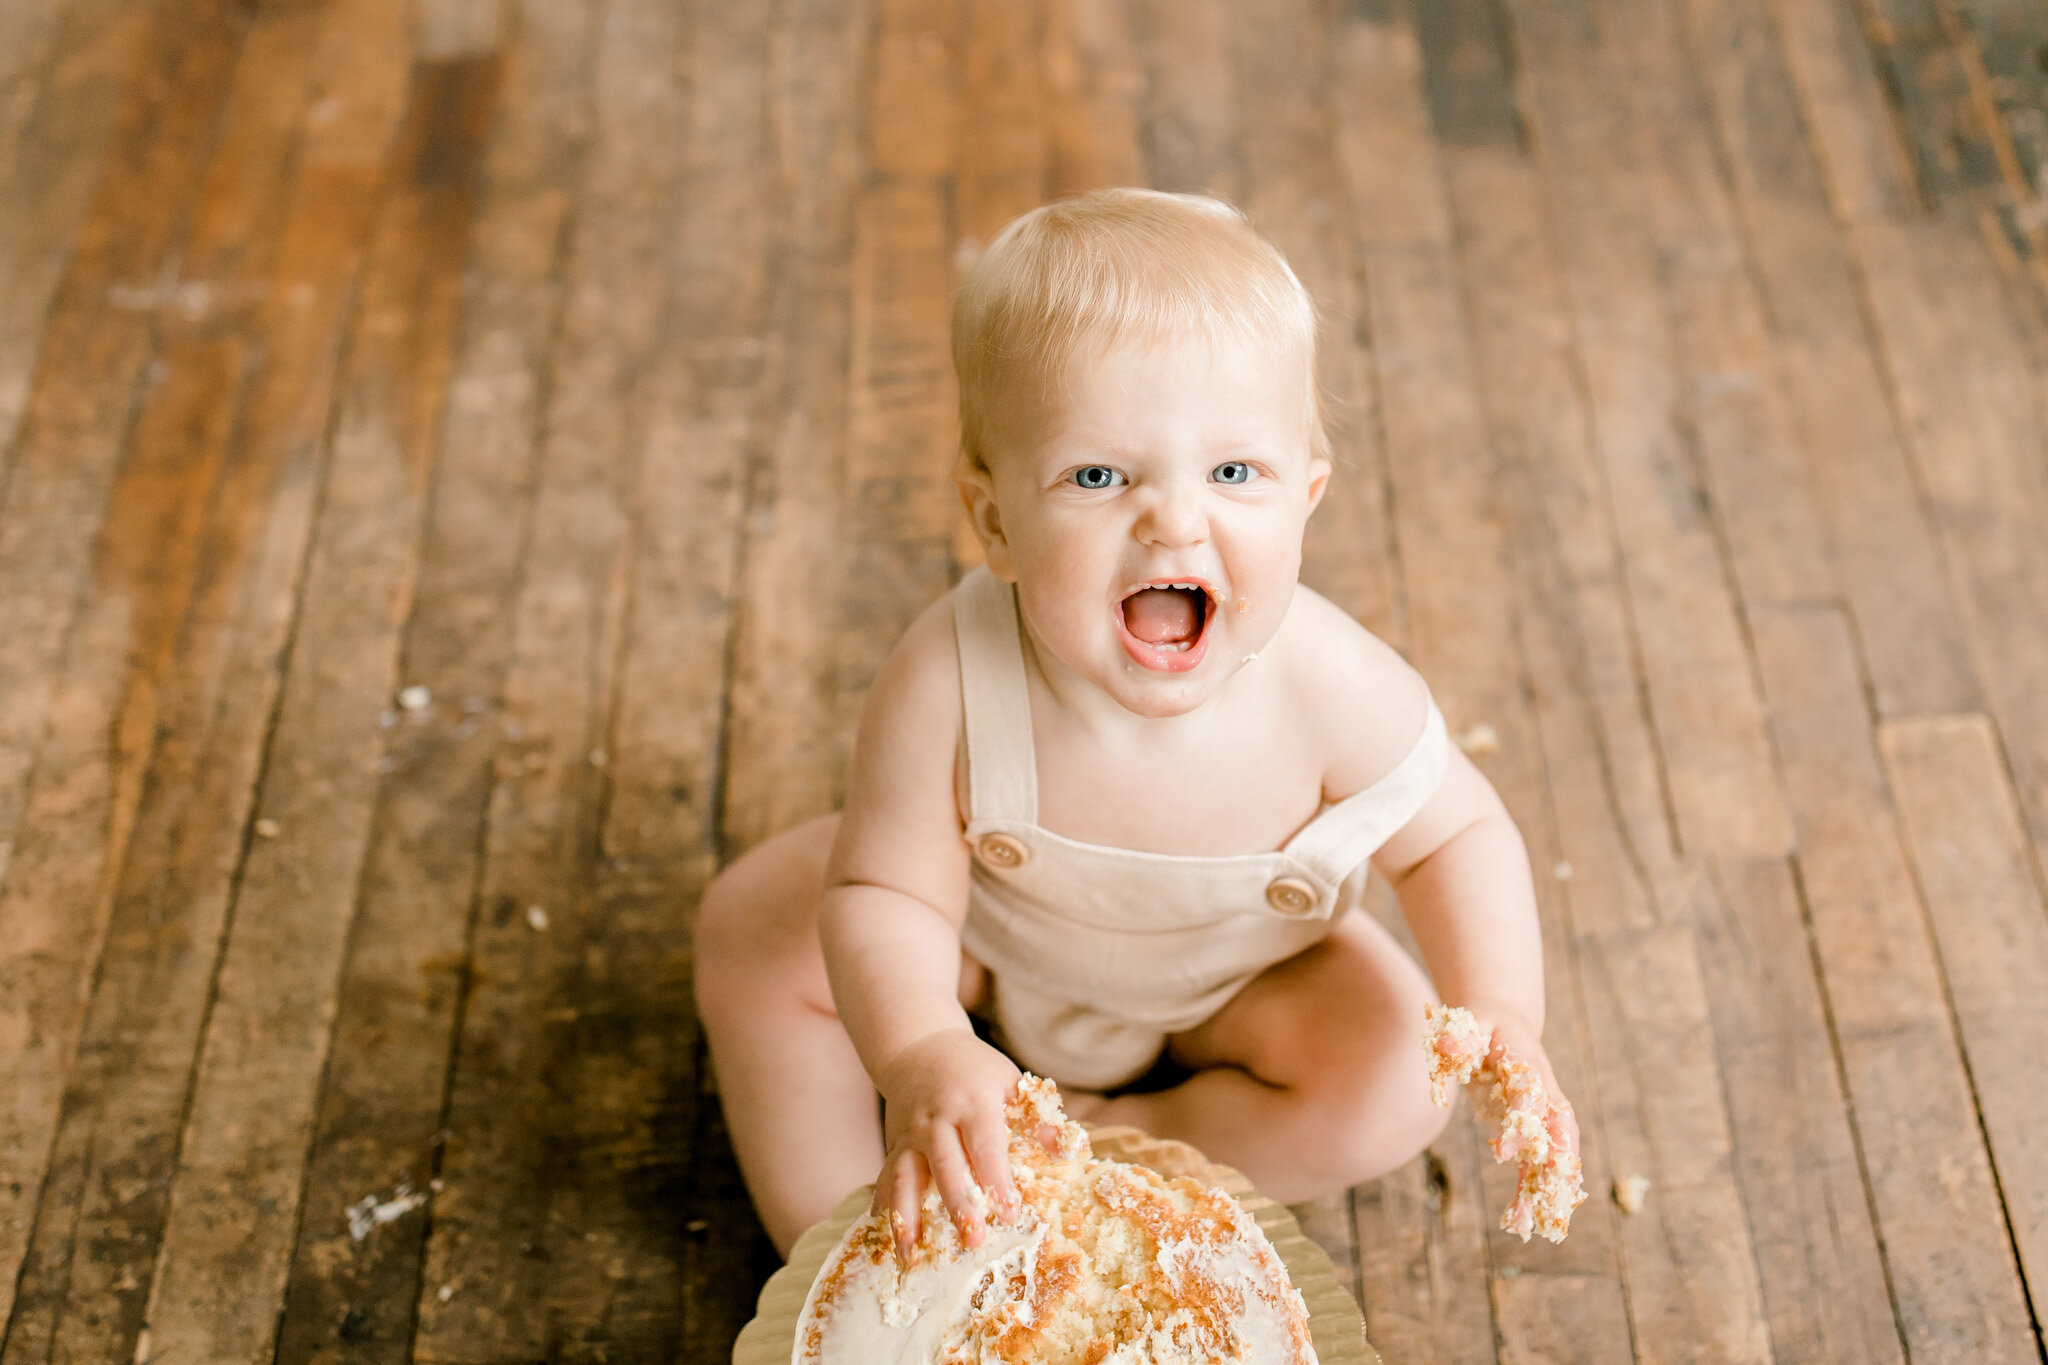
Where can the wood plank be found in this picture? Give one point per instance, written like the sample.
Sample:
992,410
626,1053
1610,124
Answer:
1422,1271
1733,399
1886,562
446,30
645,1126
1093,93
2001,42
1984,903
1863,159
28,39
505,1241
1708,716
83,793
1001,143
382,1100
47,178
1957,349
1563,1317
1795,1145
913,93
1190,98
234,1201
1958,1291
103,1199
1970,401
26,33
55,492
1960,353
784,729
1956,154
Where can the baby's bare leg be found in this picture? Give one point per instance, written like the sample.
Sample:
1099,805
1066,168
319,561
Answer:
1312,1078
801,1111
805,1120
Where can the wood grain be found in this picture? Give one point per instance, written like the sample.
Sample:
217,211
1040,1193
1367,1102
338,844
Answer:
1704,702
506,1227
1959,1296
234,1203
64,119
1983,895
783,726
56,919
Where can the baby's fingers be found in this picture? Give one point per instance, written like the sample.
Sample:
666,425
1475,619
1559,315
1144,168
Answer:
1564,1126
956,1184
988,1149
899,1191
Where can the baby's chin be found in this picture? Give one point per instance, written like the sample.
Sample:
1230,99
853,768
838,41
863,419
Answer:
1161,696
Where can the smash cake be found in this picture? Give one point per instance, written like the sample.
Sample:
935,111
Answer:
1108,1264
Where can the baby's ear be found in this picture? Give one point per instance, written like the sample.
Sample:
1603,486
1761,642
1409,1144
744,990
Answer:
1318,480
978,496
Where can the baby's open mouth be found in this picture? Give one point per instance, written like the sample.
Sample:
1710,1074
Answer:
1165,625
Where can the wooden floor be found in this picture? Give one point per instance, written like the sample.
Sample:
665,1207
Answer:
460,469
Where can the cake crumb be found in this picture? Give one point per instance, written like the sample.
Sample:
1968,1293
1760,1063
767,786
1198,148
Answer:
1479,741
1630,1191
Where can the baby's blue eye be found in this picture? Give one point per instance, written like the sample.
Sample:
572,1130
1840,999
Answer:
1233,471
1097,476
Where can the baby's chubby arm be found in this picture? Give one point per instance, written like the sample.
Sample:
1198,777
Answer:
1459,866
1461,872
895,898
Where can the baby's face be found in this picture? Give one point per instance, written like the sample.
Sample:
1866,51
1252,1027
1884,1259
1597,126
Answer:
1151,512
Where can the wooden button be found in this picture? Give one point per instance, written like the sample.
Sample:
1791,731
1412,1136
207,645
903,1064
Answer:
1001,851
1291,896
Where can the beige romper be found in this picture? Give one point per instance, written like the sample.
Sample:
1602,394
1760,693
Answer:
1096,954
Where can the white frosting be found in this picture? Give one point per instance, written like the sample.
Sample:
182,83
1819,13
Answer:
884,1316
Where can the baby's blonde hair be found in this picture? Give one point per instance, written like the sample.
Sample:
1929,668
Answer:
1079,277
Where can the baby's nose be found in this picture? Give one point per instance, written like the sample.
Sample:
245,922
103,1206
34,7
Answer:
1174,517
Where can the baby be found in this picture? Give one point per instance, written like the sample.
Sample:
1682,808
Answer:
1117,793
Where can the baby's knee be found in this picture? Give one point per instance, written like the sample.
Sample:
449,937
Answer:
1373,1134
1372,1103
756,923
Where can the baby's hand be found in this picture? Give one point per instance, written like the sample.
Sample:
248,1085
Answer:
943,1120
1510,1033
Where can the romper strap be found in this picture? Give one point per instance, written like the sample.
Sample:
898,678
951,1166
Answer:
1352,830
1002,768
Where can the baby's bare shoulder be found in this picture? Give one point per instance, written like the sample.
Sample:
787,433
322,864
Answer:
1366,703
900,827
918,685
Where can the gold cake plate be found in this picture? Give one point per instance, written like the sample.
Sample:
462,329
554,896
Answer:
1333,1317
